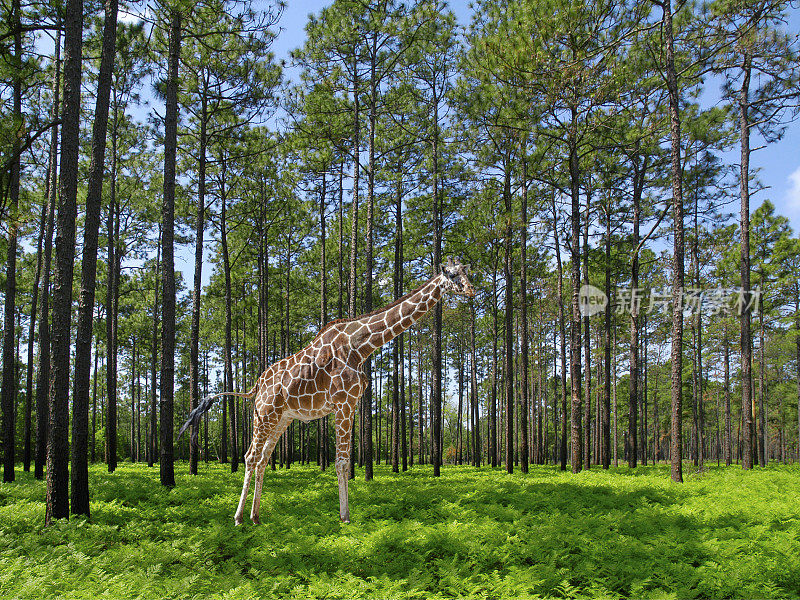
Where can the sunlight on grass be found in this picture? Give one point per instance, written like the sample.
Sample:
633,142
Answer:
470,533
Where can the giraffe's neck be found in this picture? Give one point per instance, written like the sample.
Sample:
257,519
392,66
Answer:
390,322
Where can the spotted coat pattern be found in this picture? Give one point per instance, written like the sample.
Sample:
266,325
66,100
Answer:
326,377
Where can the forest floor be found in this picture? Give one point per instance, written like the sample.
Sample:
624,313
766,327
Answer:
471,533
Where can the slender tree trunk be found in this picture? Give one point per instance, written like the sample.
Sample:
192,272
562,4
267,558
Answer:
473,390
194,341
83,339
562,338
9,389
634,327
587,341
57,504
226,266
368,292
436,357
354,223
154,361
744,219
27,450
509,323
323,284
111,304
763,449
605,447
397,350
523,283
43,373
167,255
677,257
576,433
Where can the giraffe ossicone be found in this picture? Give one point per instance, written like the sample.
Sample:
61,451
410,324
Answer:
326,377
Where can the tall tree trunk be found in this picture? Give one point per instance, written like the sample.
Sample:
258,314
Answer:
83,339
727,384
508,357
194,341
154,361
492,446
576,433
473,390
523,285
167,470
605,447
323,309
57,504
43,373
587,341
354,223
111,306
436,357
744,220
27,434
562,337
397,350
763,446
226,267
9,390
367,396
634,326
677,257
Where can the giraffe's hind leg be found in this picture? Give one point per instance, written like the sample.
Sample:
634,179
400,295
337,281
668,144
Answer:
250,463
277,425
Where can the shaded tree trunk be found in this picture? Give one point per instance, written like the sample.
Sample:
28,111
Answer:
57,504
9,389
43,373
167,471
676,356
83,338
745,339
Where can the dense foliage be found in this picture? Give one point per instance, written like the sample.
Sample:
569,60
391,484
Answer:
471,533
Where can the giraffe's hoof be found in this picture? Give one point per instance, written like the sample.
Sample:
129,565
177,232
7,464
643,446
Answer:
255,519
343,520
237,521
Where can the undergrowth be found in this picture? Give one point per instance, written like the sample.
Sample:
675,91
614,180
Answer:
471,533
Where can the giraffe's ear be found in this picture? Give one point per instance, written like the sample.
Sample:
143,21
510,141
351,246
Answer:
466,269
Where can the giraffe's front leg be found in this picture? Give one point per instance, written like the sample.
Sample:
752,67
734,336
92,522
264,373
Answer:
344,430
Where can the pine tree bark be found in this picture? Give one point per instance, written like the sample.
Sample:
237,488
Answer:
508,357
57,503
605,447
154,361
9,389
227,350
27,433
43,373
523,290
575,324
79,493
397,349
167,470
194,341
436,358
676,356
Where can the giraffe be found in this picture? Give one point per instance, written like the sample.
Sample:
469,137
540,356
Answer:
327,377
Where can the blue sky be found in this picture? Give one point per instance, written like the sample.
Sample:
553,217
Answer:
778,164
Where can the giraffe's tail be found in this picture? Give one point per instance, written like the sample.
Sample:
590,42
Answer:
205,404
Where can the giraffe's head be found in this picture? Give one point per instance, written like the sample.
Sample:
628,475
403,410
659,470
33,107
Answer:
456,278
